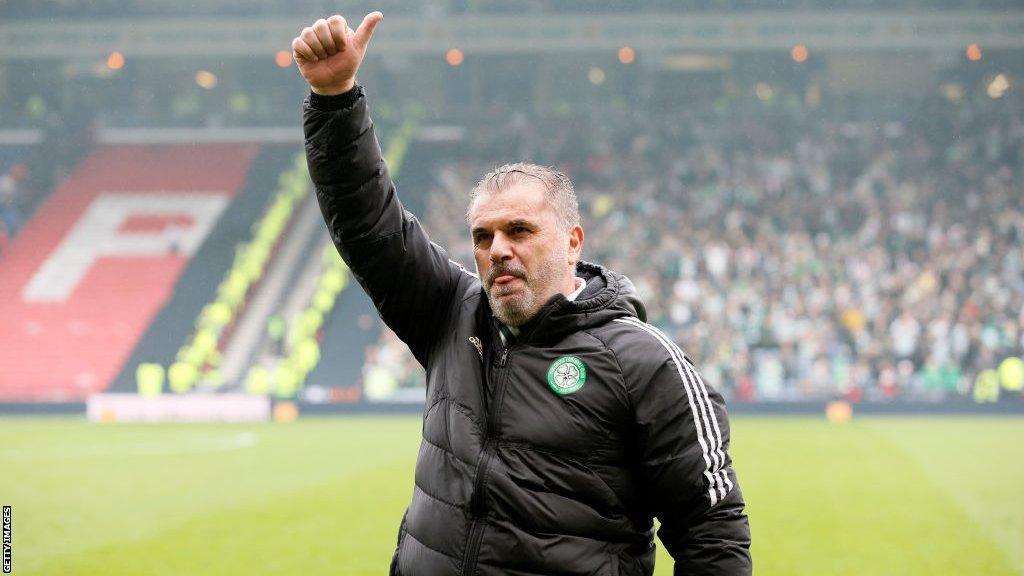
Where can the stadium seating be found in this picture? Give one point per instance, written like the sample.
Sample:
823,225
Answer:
198,284
794,256
197,360
101,256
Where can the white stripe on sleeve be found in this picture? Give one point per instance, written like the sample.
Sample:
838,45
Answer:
704,418
714,420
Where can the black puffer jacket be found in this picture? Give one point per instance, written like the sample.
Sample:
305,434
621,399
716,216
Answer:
550,455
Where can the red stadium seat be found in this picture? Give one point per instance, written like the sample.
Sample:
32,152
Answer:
83,280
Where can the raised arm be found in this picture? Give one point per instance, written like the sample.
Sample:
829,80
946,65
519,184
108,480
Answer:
411,281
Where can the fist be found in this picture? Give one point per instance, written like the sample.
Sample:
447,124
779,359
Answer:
329,53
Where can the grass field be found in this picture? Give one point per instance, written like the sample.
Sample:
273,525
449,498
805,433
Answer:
915,495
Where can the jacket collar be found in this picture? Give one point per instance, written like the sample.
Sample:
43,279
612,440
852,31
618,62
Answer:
606,296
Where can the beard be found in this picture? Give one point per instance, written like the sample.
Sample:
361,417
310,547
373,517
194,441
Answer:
515,304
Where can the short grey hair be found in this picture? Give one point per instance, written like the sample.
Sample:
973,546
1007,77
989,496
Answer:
560,193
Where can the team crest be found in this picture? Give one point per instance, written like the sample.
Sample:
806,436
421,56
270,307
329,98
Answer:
567,375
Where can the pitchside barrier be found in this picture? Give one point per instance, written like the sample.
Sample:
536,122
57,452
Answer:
111,408
275,409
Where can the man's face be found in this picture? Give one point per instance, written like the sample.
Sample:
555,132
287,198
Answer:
523,252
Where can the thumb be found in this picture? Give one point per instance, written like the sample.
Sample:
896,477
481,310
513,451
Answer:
365,31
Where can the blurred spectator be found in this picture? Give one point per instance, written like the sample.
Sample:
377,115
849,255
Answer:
10,215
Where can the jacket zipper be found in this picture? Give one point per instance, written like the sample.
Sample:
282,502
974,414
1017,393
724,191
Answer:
476,506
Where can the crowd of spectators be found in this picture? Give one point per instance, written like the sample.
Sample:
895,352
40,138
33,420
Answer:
791,255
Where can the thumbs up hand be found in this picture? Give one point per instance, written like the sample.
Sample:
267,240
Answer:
329,53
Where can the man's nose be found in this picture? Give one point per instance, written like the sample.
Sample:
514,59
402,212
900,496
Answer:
501,248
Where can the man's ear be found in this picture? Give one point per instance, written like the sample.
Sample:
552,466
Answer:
575,243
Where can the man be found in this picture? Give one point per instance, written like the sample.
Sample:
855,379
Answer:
557,423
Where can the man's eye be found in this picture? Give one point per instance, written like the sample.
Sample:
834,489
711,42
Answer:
481,239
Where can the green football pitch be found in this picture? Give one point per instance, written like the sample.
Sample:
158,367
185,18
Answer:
908,495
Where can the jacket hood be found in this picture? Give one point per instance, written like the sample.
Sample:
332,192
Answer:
608,295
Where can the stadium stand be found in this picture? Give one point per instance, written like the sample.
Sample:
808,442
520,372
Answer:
198,286
842,224
270,277
98,260
794,255
300,351
198,361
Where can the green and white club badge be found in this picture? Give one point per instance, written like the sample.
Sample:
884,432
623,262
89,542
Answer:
567,375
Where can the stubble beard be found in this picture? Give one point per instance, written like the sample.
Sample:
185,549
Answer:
521,305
